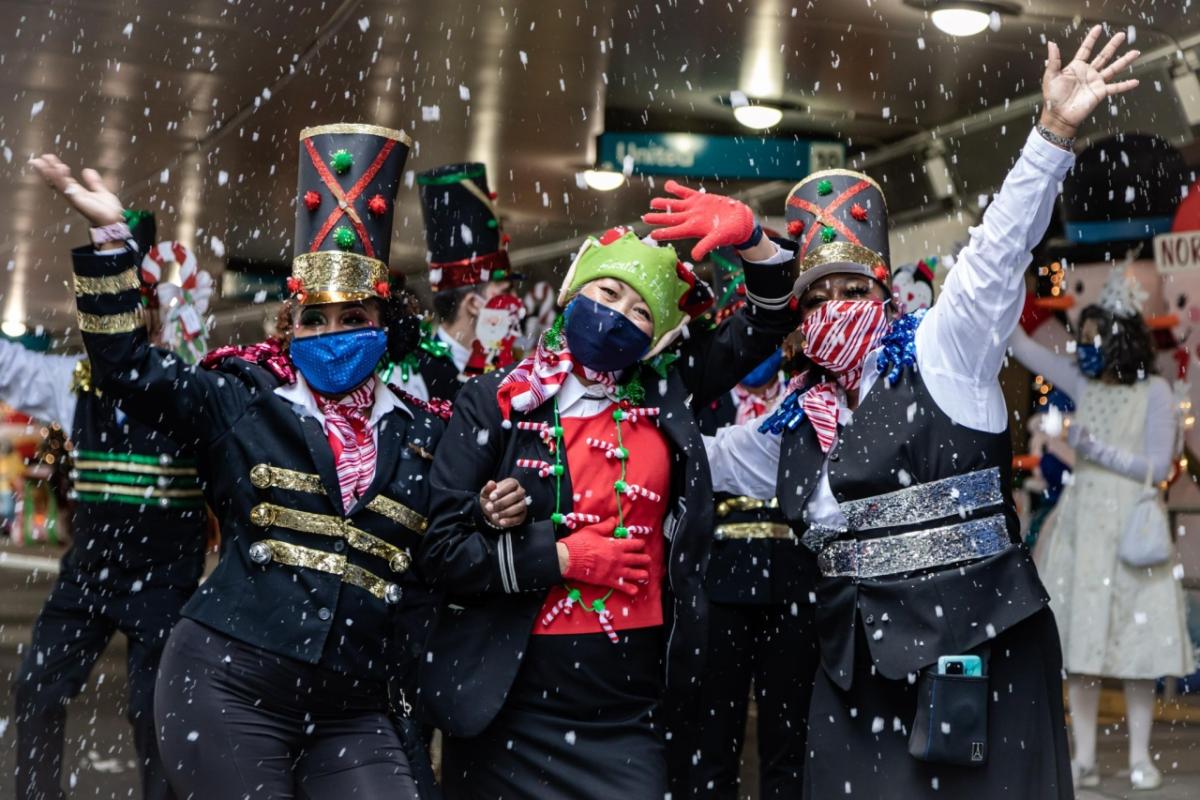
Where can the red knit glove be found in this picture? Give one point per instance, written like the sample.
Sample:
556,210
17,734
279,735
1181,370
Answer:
594,556
715,220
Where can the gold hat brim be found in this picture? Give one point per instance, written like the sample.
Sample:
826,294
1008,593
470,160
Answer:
331,276
357,128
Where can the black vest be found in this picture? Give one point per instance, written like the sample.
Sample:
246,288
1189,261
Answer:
899,438
139,512
752,570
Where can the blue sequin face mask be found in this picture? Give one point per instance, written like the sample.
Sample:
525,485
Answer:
335,363
1090,360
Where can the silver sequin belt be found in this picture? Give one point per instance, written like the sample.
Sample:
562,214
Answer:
915,551
957,496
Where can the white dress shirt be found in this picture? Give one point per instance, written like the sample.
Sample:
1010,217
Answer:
38,384
459,353
960,344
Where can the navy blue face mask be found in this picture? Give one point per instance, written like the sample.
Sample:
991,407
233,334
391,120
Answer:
765,372
602,339
1091,360
335,363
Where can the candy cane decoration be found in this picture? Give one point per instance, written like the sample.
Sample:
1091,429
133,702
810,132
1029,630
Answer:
183,305
633,491
573,519
634,414
563,606
640,529
543,467
542,429
605,619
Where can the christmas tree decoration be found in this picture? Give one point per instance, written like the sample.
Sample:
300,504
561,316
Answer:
312,200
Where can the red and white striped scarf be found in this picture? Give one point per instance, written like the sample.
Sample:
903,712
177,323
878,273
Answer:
752,405
348,426
539,377
838,335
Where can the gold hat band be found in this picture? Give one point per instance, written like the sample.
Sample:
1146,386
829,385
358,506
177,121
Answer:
331,276
841,252
352,128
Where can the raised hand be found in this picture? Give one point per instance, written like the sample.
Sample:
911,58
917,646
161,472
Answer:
1071,93
715,220
91,198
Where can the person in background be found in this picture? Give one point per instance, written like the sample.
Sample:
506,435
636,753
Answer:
468,268
1116,620
891,460
138,533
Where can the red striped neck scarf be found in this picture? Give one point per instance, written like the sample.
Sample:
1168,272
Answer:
838,335
348,426
751,405
539,377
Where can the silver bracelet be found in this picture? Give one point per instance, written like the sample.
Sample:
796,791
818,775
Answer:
1054,139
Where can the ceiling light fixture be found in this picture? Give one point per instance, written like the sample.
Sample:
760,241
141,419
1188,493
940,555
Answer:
965,17
758,117
603,180
12,328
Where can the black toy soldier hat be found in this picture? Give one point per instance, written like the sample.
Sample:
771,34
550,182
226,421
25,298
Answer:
1121,193
466,245
839,219
345,199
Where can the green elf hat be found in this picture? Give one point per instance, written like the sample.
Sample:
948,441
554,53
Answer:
669,286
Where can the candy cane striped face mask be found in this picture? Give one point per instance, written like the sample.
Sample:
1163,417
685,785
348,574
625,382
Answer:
839,334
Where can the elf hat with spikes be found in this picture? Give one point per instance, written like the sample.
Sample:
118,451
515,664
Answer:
839,218
348,179
670,287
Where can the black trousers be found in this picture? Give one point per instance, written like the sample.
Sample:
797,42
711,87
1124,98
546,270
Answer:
773,647
238,722
75,626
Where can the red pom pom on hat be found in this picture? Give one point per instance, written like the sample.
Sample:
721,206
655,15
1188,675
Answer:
612,234
795,227
858,212
377,205
383,289
312,200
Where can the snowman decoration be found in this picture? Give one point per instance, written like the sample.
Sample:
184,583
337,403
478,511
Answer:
912,285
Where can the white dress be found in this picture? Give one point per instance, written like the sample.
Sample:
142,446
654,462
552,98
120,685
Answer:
1115,621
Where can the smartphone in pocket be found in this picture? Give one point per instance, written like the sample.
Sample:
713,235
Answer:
970,666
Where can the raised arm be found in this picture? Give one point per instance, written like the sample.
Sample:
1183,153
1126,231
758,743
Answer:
965,334
1159,444
187,403
38,384
1059,370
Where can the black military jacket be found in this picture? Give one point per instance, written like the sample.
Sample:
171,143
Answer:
299,575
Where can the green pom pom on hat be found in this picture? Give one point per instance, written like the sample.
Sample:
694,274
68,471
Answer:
650,269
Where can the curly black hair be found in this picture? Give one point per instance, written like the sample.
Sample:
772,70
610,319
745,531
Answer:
1125,343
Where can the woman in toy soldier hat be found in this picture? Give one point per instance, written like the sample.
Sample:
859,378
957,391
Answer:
941,666
570,524
276,681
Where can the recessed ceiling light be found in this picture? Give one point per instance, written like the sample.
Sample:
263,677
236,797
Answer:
12,328
961,21
603,180
757,117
